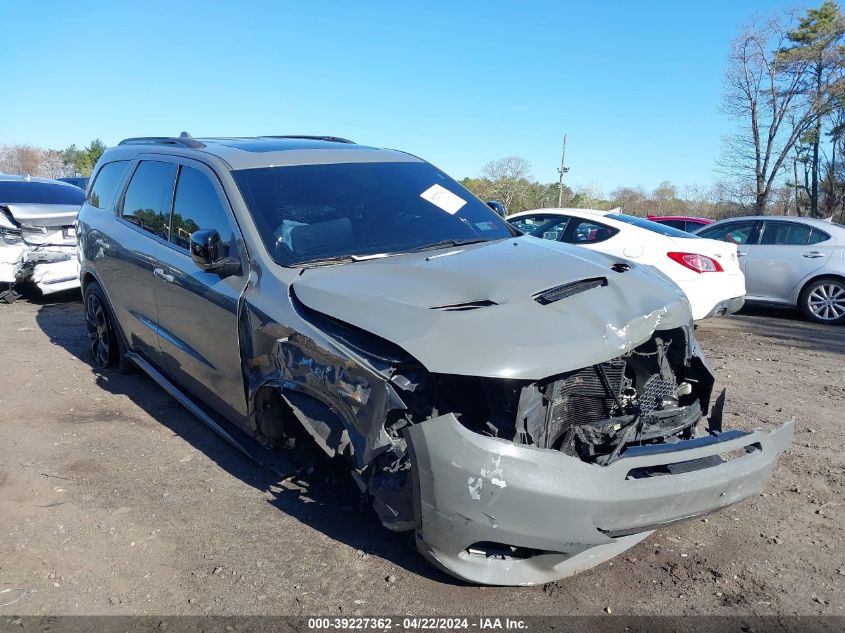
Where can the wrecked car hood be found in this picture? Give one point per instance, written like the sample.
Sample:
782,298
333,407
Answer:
42,215
473,310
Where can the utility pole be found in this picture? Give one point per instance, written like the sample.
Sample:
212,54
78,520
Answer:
561,170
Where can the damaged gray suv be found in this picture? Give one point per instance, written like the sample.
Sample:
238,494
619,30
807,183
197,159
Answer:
526,408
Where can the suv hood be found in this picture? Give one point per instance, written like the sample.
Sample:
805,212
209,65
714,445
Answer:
472,310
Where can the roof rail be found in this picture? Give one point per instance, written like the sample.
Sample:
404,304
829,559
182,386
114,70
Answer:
331,139
184,141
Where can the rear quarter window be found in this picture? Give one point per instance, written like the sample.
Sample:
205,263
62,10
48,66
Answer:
818,236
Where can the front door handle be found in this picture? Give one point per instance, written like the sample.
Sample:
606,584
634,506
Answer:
812,255
741,253
159,272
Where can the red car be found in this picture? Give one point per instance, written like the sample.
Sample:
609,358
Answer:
682,222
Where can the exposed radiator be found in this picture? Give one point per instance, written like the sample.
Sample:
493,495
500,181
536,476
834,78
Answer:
581,397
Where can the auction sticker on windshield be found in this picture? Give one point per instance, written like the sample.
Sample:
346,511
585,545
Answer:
443,198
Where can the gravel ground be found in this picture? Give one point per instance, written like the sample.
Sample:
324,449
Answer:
114,500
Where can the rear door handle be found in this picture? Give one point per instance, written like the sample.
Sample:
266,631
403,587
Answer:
159,272
812,255
741,253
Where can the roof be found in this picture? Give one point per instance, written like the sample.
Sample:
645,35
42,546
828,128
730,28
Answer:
562,211
686,218
20,190
243,152
824,224
46,181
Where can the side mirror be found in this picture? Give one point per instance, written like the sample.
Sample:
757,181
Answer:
498,207
208,253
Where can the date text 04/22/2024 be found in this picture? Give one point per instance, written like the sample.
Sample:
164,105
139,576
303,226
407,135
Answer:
416,623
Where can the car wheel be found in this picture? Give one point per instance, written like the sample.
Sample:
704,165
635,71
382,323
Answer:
107,349
823,301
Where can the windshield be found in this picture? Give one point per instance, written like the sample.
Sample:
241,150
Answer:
307,213
650,226
34,192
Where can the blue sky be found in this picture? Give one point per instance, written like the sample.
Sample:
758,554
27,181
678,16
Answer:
636,85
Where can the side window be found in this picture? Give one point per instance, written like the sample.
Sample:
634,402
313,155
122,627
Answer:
106,183
146,203
551,230
818,236
588,232
530,223
785,233
734,232
196,206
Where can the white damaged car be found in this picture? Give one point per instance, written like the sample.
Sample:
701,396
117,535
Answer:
38,245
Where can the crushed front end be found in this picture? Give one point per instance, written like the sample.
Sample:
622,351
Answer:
523,425
516,482
38,250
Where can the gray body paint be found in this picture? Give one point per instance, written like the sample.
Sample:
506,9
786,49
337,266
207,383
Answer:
472,489
376,360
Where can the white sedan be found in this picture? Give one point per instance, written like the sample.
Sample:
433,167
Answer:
706,270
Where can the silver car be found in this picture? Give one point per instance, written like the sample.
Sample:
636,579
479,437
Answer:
790,261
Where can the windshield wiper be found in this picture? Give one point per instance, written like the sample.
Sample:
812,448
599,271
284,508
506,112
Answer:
446,244
344,259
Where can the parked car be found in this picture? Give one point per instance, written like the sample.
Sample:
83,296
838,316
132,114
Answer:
707,271
528,409
681,222
77,181
38,242
790,261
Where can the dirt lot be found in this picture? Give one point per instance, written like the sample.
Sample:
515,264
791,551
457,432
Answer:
114,500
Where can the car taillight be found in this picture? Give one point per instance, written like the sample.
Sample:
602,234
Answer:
696,262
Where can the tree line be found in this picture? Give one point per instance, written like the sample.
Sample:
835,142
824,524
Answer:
509,180
784,88
50,163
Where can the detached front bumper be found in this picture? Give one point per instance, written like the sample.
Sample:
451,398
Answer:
554,515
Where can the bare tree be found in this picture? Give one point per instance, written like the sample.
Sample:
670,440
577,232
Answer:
22,159
763,91
510,178
53,165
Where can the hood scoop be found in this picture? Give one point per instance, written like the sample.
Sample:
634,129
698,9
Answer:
567,290
463,307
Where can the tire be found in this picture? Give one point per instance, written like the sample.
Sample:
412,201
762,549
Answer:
823,301
106,342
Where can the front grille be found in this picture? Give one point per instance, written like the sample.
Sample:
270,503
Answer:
581,398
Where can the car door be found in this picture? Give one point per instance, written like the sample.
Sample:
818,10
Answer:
131,249
785,254
198,310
